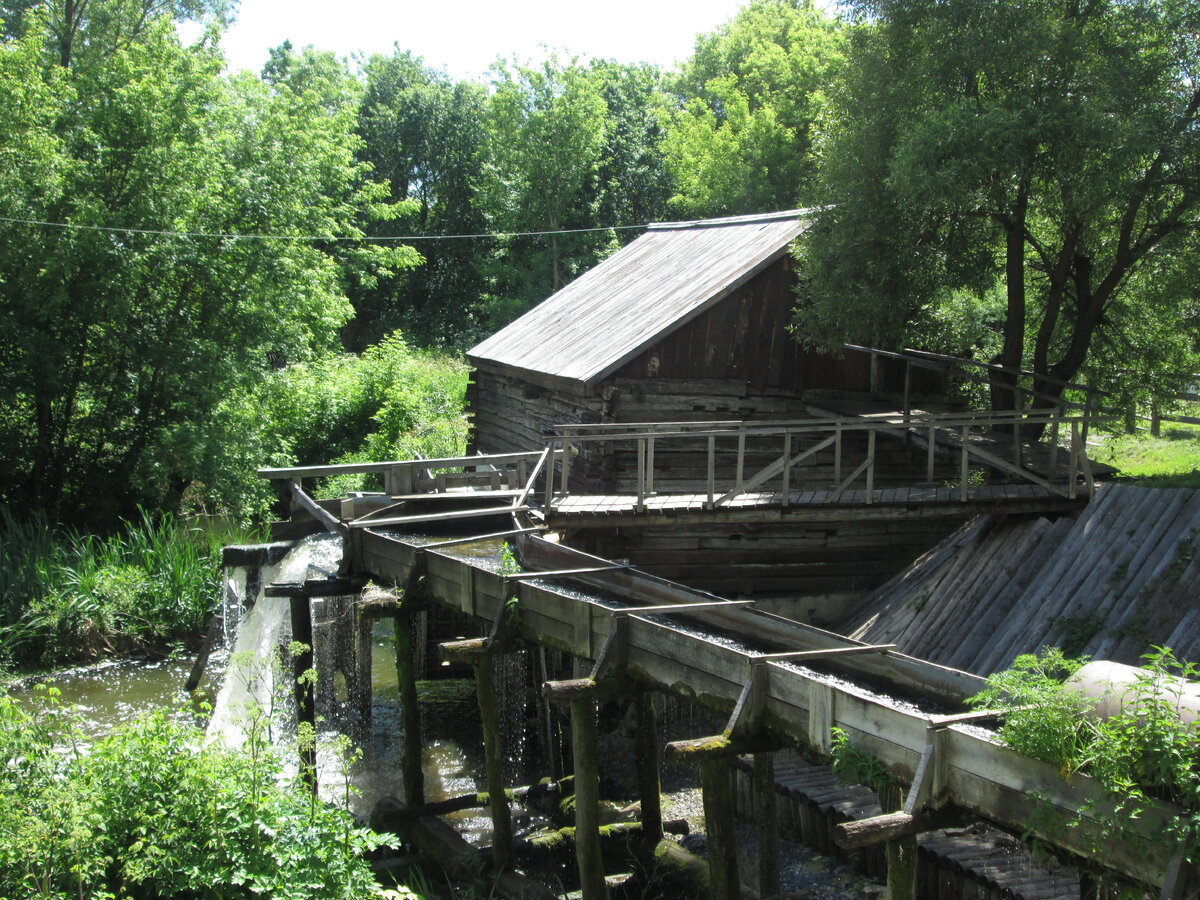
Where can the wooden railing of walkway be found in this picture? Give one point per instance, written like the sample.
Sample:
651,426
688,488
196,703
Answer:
974,437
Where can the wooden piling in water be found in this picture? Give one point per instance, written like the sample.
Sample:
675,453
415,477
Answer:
306,707
719,826
406,677
901,852
587,799
766,818
649,781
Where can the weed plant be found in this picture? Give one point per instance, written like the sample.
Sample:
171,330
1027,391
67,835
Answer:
155,811
1144,754
67,596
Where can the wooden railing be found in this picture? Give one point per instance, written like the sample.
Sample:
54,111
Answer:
975,437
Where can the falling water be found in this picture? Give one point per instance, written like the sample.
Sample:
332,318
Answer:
255,664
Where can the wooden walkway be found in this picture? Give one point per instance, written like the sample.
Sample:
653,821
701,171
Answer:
609,510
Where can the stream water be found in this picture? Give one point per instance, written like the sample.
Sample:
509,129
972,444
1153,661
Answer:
238,676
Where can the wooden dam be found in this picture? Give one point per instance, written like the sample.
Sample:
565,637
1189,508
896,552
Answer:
778,682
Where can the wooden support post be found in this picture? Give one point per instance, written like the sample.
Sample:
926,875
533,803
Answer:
649,782
907,394
364,646
712,470
787,468
715,782
901,853
964,474
837,454
871,466
306,707
406,676
587,799
929,450
650,464
741,457
493,751
766,820
641,475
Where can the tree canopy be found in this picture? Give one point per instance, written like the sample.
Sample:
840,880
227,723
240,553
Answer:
1043,154
181,258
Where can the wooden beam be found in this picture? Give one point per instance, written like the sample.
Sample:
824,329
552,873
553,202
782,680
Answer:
802,655
449,516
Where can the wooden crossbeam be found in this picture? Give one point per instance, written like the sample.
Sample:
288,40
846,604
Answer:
800,655
474,539
670,607
560,573
437,517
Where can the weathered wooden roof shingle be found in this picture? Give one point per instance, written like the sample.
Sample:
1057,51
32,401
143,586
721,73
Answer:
640,294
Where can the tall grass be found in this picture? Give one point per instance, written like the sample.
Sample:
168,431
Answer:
69,596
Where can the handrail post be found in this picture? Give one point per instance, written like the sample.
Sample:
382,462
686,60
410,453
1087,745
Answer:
1072,487
566,459
929,454
837,454
907,394
966,466
641,475
650,463
871,465
1052,462
1018,407
550,479
712,469
741,456
787,468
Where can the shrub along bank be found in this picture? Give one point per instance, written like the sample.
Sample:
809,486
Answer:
67,596
152,811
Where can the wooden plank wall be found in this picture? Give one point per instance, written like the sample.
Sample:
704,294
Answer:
815,572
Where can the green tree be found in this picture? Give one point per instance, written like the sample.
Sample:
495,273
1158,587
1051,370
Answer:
748,104
422,132
1048,148
126,321
544,142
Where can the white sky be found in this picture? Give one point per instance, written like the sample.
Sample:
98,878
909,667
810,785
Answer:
464,37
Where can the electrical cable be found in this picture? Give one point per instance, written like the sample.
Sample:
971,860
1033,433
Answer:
69,226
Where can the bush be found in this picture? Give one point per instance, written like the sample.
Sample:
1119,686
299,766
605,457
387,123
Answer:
69,596
1142,755
154,811
391,402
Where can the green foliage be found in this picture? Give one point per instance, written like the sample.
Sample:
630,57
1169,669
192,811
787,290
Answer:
68,596
392,402
155,811
1040,154
1044,718
120,345
423,132
749,101
855,766
1172,460
1142,754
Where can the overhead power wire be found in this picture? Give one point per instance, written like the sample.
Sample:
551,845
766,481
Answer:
70,226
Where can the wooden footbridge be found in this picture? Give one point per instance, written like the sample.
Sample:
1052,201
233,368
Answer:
780,682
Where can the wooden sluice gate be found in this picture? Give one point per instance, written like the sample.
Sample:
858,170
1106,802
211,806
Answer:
781,683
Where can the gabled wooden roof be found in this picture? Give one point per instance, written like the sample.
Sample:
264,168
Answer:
640,294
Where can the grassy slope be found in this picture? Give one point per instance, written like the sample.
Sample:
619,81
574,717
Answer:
1171,460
